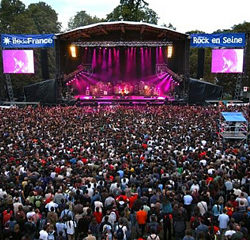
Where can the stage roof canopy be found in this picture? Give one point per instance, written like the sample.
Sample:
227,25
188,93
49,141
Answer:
233,117
104,28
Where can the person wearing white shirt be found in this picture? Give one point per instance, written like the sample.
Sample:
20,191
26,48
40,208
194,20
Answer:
98,204
187,204
90,190
124,229
30,214
203,162
187,199
242,199
2,193
229,185
211,171
229,233
70,229
43,235
53,175
195,187
51,204
202,205
113,186
16,205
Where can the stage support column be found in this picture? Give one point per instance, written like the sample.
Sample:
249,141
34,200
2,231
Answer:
44,63
200,64
186,67
59,78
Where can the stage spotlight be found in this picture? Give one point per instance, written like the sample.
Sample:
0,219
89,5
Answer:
73,51
170,51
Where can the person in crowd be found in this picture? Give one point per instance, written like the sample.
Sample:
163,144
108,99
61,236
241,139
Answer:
188,235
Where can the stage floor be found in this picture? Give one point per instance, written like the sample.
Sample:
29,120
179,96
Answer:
123,99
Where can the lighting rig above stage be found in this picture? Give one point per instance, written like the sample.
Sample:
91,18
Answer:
123,44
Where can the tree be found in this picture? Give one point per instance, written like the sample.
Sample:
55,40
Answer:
9,9
14,19
245,28
170,26
44,17
46,21
133,10
82,19
193,56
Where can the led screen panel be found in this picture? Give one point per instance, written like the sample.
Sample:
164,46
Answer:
227,60
18,61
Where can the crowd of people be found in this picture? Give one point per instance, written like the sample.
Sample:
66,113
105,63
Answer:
122,172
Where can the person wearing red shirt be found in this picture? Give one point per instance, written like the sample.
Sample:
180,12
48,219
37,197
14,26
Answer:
123,196
58,169
7,215
132,199
98,215
141,218
144,145
208,180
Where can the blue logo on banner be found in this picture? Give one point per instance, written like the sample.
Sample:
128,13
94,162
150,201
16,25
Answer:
27,41
218,40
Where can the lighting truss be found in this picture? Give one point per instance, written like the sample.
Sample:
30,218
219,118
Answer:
123,44
162,68
82,68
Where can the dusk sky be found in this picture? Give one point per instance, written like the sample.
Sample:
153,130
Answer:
206,16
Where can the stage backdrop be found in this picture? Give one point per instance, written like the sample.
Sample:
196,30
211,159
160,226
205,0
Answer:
43,92
200,91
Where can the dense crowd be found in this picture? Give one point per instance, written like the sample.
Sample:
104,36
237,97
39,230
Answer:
122,173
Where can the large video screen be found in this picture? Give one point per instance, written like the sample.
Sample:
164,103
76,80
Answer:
18,61
227,60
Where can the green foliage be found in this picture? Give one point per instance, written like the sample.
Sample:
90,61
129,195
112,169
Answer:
193,56
44,17
133,10
82,19
13,17
170,26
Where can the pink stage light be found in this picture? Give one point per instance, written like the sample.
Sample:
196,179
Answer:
104,62
94,59
161,59
142,63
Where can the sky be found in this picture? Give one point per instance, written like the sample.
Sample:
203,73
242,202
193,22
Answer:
185,15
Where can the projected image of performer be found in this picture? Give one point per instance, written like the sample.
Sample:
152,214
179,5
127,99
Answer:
229,61
21,62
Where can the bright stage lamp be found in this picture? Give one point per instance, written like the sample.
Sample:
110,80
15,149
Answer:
170,51
73,51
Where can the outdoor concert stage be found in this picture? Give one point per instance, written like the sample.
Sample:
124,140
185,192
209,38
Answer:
122,63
